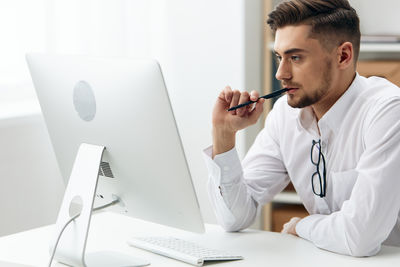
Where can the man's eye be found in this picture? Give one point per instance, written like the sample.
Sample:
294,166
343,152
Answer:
295,58
278,59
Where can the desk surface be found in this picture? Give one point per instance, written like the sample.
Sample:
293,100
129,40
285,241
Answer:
109,231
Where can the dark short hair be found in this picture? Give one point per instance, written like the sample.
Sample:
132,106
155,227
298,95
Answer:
333,22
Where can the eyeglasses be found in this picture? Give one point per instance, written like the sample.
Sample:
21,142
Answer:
319,184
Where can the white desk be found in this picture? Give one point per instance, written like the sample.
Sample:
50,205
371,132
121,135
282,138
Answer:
259,248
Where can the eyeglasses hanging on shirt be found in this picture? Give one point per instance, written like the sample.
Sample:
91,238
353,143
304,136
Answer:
318,179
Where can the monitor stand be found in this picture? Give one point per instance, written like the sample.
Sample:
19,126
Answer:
82,188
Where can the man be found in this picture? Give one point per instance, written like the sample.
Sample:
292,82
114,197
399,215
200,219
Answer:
335,135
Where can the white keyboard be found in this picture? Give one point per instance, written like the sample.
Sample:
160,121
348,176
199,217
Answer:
181,250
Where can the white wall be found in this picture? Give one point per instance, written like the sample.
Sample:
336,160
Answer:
378,17
31,187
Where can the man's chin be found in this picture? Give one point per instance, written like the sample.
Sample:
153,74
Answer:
297,104
292,102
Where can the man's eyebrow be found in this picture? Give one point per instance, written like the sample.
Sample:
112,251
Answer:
292,50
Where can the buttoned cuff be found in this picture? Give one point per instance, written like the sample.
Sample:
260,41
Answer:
305,225
225,168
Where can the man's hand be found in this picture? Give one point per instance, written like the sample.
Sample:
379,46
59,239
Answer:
227,123
290,227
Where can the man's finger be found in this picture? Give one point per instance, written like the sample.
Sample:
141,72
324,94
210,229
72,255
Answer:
257,111
254,95
244,97
235,100
227,94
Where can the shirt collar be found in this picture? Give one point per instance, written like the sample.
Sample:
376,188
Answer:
333,118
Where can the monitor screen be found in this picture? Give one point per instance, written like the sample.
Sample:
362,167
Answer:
121,104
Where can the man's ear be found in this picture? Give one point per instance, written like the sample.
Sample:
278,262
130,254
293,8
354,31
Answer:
345,54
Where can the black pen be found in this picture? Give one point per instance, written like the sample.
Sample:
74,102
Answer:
274,94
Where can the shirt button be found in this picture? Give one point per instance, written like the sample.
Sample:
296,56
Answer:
323,144
226,168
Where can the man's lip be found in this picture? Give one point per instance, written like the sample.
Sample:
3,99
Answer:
292,89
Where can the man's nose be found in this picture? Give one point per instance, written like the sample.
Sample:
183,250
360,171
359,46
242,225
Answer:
284,71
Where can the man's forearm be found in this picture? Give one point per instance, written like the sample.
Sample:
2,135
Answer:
223,141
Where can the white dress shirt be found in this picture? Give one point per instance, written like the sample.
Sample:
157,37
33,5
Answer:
360,139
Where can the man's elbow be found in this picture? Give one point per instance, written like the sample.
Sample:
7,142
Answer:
232,226
235,225
363,248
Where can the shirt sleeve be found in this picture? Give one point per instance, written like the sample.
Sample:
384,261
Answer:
224,188
366,219
236,189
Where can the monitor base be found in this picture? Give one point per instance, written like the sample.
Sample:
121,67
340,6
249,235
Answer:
82,188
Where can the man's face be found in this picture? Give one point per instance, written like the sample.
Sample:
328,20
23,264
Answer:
304,66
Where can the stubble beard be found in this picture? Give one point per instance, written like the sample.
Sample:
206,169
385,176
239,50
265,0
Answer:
317,94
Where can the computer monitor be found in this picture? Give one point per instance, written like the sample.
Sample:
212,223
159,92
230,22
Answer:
121,104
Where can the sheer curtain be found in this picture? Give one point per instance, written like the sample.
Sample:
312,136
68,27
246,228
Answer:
22,28
91,27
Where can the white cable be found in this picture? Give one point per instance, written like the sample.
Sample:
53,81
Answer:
69,221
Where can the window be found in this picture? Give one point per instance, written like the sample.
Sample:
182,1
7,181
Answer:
22,28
